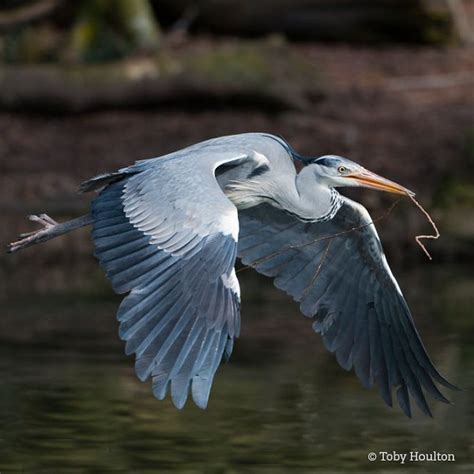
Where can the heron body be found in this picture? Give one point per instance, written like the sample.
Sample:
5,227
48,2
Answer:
168,231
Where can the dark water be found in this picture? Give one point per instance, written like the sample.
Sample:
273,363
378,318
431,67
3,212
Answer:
70,401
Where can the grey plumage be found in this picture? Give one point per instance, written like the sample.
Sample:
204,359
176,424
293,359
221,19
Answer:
168,231
342,280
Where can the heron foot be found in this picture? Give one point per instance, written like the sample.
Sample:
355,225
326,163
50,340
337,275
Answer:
49,230
29,238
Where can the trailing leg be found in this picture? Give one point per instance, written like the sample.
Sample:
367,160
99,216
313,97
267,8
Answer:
50,229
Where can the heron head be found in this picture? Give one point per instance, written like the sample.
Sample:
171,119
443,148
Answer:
336,171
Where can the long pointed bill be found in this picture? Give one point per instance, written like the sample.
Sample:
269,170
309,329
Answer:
371,180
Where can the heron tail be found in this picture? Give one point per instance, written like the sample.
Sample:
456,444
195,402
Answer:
102,180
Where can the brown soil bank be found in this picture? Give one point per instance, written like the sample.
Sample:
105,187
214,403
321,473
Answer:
404,113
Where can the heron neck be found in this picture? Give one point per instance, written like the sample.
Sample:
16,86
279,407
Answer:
314,201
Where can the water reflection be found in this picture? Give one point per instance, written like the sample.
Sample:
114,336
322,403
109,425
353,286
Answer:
71,403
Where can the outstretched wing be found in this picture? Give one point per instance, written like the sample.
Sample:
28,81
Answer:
338,273
167,234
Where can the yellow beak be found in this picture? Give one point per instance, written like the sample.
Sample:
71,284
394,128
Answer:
371,180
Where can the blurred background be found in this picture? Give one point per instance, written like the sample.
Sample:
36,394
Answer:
91,86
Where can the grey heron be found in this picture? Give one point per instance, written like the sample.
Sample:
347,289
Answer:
168,231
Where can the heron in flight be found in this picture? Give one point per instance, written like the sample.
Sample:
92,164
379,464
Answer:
167,231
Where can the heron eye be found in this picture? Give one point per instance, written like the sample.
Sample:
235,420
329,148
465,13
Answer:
341,169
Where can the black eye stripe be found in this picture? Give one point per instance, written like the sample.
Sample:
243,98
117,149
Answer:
331,162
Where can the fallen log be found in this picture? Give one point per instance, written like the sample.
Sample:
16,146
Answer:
250,74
